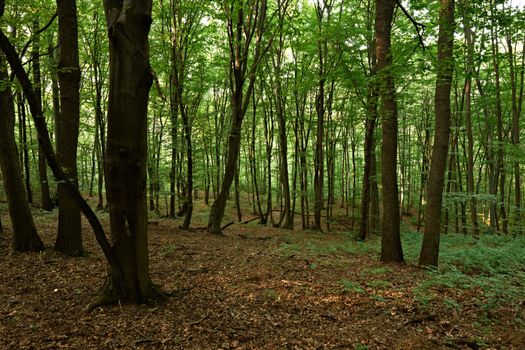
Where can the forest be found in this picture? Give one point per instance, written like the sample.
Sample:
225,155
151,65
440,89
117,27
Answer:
262,174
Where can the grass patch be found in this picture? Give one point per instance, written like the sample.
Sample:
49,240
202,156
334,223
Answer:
315,244
351,286
376,271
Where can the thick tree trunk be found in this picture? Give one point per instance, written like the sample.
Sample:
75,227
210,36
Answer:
391,250
25,234
129,85
69,238
45,141
430,248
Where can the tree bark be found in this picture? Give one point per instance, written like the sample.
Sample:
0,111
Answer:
25,235
445,66
391,250
69,238
129,85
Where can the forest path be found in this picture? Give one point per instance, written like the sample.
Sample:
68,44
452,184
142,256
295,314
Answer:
255,288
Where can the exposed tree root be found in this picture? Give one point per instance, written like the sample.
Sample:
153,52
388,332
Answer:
110,295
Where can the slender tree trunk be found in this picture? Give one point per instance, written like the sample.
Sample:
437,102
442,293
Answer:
430,248
320,109
515,132
391,250
424,162
241,31
24,154
375,217
280,100
369,144
468,122
189,171
69,238
45,200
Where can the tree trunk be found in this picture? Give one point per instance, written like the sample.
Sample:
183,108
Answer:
369,143
500,165
445,66
320,109
45,141
45,199
69,238
25,234
241,31
468,122
24,154
391,250
425,161
515,133
129,85
280,101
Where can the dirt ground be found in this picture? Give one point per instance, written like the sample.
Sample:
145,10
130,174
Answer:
247,290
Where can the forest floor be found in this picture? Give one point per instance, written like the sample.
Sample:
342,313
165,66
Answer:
255,288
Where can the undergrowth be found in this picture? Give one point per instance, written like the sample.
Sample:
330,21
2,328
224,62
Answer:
491,268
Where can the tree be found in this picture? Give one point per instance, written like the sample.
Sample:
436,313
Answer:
186,22
245,22
128,279
468,115
130,81
69,238
445,66
25,235
322,8
369,142
280,103
42,167
391,250
517,101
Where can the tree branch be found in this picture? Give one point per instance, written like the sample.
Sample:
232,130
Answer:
420,27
